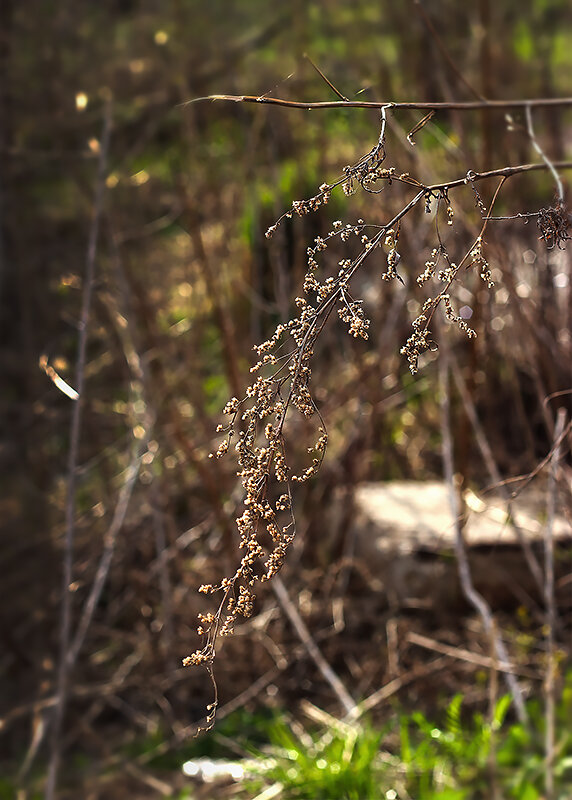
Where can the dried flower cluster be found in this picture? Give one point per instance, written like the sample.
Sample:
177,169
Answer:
258,423
554,224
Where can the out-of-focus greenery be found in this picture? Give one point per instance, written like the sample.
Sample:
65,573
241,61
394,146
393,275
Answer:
459,758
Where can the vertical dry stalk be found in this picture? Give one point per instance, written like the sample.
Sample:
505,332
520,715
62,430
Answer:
475,598
64,665
494,472
550,606
165,586
110,540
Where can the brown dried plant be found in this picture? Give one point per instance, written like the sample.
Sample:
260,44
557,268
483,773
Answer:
258,424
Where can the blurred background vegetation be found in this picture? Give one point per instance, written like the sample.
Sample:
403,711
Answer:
186,284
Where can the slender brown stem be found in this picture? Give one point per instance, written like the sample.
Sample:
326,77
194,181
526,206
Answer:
65,662
470,105
445,53
321,74
506,172
550,605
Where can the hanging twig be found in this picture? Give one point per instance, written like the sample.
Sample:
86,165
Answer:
421,124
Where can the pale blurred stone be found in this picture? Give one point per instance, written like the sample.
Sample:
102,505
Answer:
405,533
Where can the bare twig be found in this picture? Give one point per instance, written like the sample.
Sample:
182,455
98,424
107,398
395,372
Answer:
494,472
108,549
391,633
506,172
340,690
65,629
474,105
395,685
146,420
459,653
550,606
472,595
421,124
152,781
118,680
524,480
321,74
542,154
110,537
163,569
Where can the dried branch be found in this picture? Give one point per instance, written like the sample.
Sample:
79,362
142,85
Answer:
524,480
162,562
